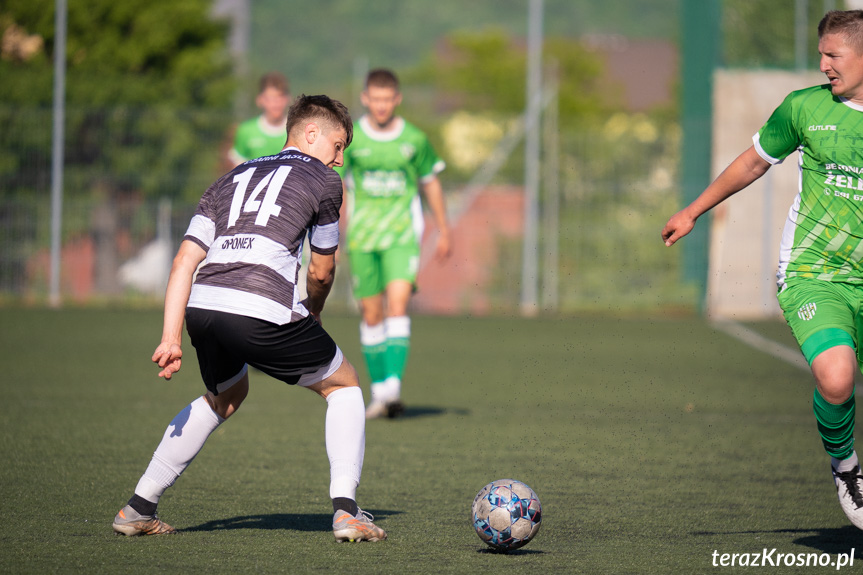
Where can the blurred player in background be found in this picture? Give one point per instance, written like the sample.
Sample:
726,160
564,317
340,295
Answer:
384,170
820,277
265,134
241,308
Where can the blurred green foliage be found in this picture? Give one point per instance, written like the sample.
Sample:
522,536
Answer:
475,80
398,34
485,70
148,91
135,52
762,33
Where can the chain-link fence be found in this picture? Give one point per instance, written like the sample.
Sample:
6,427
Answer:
125,211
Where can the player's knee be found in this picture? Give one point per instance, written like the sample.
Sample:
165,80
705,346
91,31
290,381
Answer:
835,390
228,402
834,371
345,376
372,316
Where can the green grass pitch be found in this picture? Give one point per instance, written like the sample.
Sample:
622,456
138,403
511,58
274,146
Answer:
652,444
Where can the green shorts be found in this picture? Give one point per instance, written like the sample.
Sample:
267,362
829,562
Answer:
372,271
824,314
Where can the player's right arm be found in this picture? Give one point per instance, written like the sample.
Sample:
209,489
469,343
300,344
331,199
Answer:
168,354
744,170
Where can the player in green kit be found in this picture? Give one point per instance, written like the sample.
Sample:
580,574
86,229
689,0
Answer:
385,169
264,135
820,277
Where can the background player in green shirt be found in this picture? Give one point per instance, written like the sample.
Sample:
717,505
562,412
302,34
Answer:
821,255
264,135
387,165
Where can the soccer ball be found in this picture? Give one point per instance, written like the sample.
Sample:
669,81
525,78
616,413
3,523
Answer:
506,514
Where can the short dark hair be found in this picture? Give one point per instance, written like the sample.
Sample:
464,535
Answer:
275,80
309,108
382,78
847,23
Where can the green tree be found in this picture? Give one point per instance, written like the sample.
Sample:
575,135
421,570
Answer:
485,71
148,91
142,76
479,78
761,33
398,34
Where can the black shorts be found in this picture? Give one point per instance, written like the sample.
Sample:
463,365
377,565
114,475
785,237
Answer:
226,342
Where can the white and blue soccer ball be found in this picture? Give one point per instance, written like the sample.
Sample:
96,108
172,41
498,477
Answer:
506,514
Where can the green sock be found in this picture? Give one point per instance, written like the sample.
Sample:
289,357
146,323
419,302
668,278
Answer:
373,341
376,361
398,330
835,424
397,356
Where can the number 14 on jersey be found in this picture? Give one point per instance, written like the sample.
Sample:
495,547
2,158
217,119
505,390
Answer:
265,208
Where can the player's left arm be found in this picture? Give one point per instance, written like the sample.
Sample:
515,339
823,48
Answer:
433,192
344,172
323,244
319,281
169,353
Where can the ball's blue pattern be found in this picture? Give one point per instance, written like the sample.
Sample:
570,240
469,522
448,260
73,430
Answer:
524,509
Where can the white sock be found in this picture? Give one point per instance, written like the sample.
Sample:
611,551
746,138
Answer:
372,334
392,388
398,326
346,440
379,392
843,465
183,439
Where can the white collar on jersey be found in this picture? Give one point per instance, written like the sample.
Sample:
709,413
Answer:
377,135
850,104
271,129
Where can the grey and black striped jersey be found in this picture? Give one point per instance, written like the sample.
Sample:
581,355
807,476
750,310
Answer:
252,222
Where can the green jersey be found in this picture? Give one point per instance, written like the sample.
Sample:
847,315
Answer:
256,138
383,172
823,235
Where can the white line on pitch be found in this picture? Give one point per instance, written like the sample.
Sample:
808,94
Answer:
761,343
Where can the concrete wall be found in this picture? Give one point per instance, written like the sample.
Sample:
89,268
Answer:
746,228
